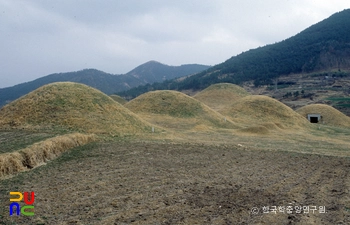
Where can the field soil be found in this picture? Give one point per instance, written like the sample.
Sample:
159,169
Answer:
139,182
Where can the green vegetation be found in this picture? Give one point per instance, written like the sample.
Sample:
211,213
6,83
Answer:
344,105
340,101
15,140
321,47
287,95
157,72
272,87
77,153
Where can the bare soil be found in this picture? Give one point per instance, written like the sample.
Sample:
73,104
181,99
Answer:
182,183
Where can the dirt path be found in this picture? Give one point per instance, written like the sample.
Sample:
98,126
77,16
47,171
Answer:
153,183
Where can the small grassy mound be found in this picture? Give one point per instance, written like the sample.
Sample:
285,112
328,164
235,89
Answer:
71,106
41,152
118,99
330,115
174,109
264,111
218,96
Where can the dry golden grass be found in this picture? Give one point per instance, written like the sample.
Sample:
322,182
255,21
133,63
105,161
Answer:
118,99
41,152
330,115
255,130
172,109
11,163
257,110
219,96
71,106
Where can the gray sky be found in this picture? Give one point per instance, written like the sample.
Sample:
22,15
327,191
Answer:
40,37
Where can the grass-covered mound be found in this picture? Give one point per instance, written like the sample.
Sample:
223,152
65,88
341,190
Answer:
218,96
329,115
264,111
176,110
71,106
118,99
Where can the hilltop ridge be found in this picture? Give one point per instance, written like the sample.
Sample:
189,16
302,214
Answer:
146,73
323,46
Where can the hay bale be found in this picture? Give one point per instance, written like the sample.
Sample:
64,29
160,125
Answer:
41,152
330,115
11,163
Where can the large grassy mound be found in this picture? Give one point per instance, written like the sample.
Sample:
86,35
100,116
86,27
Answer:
72,106
330,115
256,110
176,110
218,96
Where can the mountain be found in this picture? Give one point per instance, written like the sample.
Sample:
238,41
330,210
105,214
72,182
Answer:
108,83
324,46
153,71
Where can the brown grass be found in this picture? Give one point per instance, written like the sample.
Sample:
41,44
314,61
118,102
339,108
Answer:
219,96
118,99
255,130
330,115
263,128
11,163
172,109
262,110
41,152
71,106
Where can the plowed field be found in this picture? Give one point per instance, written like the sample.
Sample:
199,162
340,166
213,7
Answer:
183,183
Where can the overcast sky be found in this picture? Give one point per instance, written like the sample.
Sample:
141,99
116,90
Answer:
40,37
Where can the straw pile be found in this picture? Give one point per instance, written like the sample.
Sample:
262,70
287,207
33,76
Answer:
41,152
